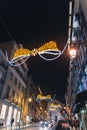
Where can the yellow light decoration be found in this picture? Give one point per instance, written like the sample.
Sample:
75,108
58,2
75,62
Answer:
48,46
22,55
39,96
43,97
52,109
55,105
51,105
21,52
48,98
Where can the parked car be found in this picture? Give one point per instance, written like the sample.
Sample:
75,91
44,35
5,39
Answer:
64,124
44,123
50,123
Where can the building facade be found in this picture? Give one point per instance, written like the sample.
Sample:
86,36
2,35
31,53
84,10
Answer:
76,95
12,86
31,106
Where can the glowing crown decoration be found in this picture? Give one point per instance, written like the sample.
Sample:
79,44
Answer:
22,55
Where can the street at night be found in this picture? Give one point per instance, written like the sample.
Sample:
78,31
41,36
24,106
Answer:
43,65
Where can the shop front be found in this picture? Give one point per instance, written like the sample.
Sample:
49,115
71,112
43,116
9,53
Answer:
81,109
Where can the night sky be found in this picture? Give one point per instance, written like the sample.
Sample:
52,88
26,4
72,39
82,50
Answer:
34,23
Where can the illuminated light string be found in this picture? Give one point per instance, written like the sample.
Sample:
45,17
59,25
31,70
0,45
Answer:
48,98
15,60
22,55
52,99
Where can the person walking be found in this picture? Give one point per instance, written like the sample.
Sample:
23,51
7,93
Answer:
12,121
76,123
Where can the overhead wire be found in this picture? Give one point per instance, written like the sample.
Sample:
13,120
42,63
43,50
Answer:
6,28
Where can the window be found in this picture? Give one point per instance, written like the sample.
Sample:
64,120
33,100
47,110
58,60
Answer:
23,89
3,111
19,86
13,93
9,115
7,91
15,81
11,76
1,87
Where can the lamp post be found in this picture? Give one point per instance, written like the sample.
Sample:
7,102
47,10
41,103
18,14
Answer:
30,105
30,100
41,112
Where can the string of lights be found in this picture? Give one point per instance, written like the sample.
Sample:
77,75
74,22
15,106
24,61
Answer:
22,55
47,98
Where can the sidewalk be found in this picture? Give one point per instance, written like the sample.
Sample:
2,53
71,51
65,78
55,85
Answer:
17,127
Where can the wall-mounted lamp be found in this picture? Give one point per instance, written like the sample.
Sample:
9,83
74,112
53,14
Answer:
72,52
30,99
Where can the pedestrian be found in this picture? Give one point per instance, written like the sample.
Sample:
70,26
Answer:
81,128
76,123
12,121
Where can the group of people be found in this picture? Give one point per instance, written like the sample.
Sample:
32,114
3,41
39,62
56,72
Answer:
74,124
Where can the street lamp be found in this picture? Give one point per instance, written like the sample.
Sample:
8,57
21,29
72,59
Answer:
30,99
41,108
72,52
73,47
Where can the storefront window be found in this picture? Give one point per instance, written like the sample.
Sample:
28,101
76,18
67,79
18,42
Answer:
15,116
84,120
3,111
18,116
9,115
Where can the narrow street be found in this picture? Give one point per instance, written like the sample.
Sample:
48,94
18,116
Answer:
28,128
38,128
43,65
31,127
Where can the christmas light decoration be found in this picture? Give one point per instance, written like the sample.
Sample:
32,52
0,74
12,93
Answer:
53,105
22,55
41,97
48,98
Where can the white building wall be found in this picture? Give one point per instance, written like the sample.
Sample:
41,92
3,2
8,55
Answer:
12,109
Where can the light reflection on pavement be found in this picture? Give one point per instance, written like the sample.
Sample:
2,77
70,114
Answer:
43,128
37,128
